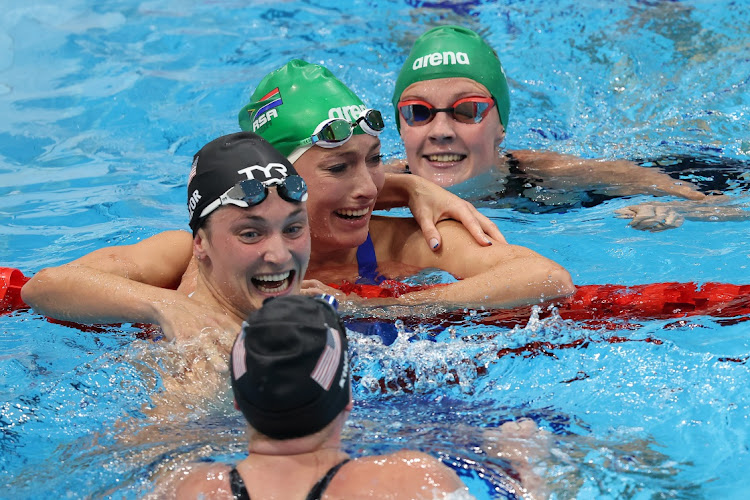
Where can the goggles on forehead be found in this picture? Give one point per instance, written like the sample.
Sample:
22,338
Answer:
334,132
250,192
466,110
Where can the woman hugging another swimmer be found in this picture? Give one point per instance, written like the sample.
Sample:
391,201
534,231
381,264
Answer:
331,137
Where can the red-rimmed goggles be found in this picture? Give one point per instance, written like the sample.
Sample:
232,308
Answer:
466,110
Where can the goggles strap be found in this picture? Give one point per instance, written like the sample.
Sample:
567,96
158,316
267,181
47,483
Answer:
298,152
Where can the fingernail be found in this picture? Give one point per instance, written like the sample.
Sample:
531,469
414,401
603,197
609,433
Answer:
489,242
434,243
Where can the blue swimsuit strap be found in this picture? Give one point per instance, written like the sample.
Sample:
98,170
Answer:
368,264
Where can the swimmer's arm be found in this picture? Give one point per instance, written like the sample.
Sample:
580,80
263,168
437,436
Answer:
501,275
656,216
115,284
429,204
614,177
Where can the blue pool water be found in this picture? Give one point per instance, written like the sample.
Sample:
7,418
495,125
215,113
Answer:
104,104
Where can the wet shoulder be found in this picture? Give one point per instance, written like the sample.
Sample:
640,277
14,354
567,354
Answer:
401,475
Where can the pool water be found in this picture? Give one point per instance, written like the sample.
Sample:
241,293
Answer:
104,104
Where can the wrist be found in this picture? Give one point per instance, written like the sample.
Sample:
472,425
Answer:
397,191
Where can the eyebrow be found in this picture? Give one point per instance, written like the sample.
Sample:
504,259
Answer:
347,155
258,218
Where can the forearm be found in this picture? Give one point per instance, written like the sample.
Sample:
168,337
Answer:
86,295
515,283
615,177
713,208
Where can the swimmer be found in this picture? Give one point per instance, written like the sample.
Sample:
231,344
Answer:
331,137
452,109
199,284
297,346
251,241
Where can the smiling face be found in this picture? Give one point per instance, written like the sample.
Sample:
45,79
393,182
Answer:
343,184
445,151
246,255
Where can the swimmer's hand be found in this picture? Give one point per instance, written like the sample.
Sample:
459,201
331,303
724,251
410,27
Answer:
434,204
651,217
315,287
430,204
658,216
525,446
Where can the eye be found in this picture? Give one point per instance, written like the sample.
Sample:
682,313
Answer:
374,160
294,229
337,169
249,235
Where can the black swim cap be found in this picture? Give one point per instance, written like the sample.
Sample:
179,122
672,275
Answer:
224,162
290,367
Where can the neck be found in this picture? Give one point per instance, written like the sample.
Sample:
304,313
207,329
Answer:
321,258
324,442
294,449
208,296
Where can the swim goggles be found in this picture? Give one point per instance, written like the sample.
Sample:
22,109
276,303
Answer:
466,110
334,132
329,300
250,192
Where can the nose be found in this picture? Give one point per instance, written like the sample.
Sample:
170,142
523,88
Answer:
276,249
442,128
364,181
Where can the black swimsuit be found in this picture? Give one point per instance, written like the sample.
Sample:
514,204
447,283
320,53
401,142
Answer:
239,491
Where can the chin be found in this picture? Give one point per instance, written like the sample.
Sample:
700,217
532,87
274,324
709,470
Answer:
350,240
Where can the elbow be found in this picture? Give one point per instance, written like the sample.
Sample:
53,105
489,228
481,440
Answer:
33,291
560,283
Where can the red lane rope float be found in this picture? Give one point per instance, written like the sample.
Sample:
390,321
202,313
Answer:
11,282
604,303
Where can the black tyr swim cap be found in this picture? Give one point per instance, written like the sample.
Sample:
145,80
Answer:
228,160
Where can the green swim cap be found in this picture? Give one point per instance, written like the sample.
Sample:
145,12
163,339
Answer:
450,52
292,101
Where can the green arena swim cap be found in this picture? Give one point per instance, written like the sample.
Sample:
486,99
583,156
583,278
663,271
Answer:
454,51
292,101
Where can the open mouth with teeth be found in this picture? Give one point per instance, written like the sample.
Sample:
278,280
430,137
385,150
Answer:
445,158
273,283
353,214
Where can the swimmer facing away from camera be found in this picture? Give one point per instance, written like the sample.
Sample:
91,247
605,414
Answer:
290,374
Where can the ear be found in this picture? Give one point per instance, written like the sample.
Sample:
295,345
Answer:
200,242
500,136
350,404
